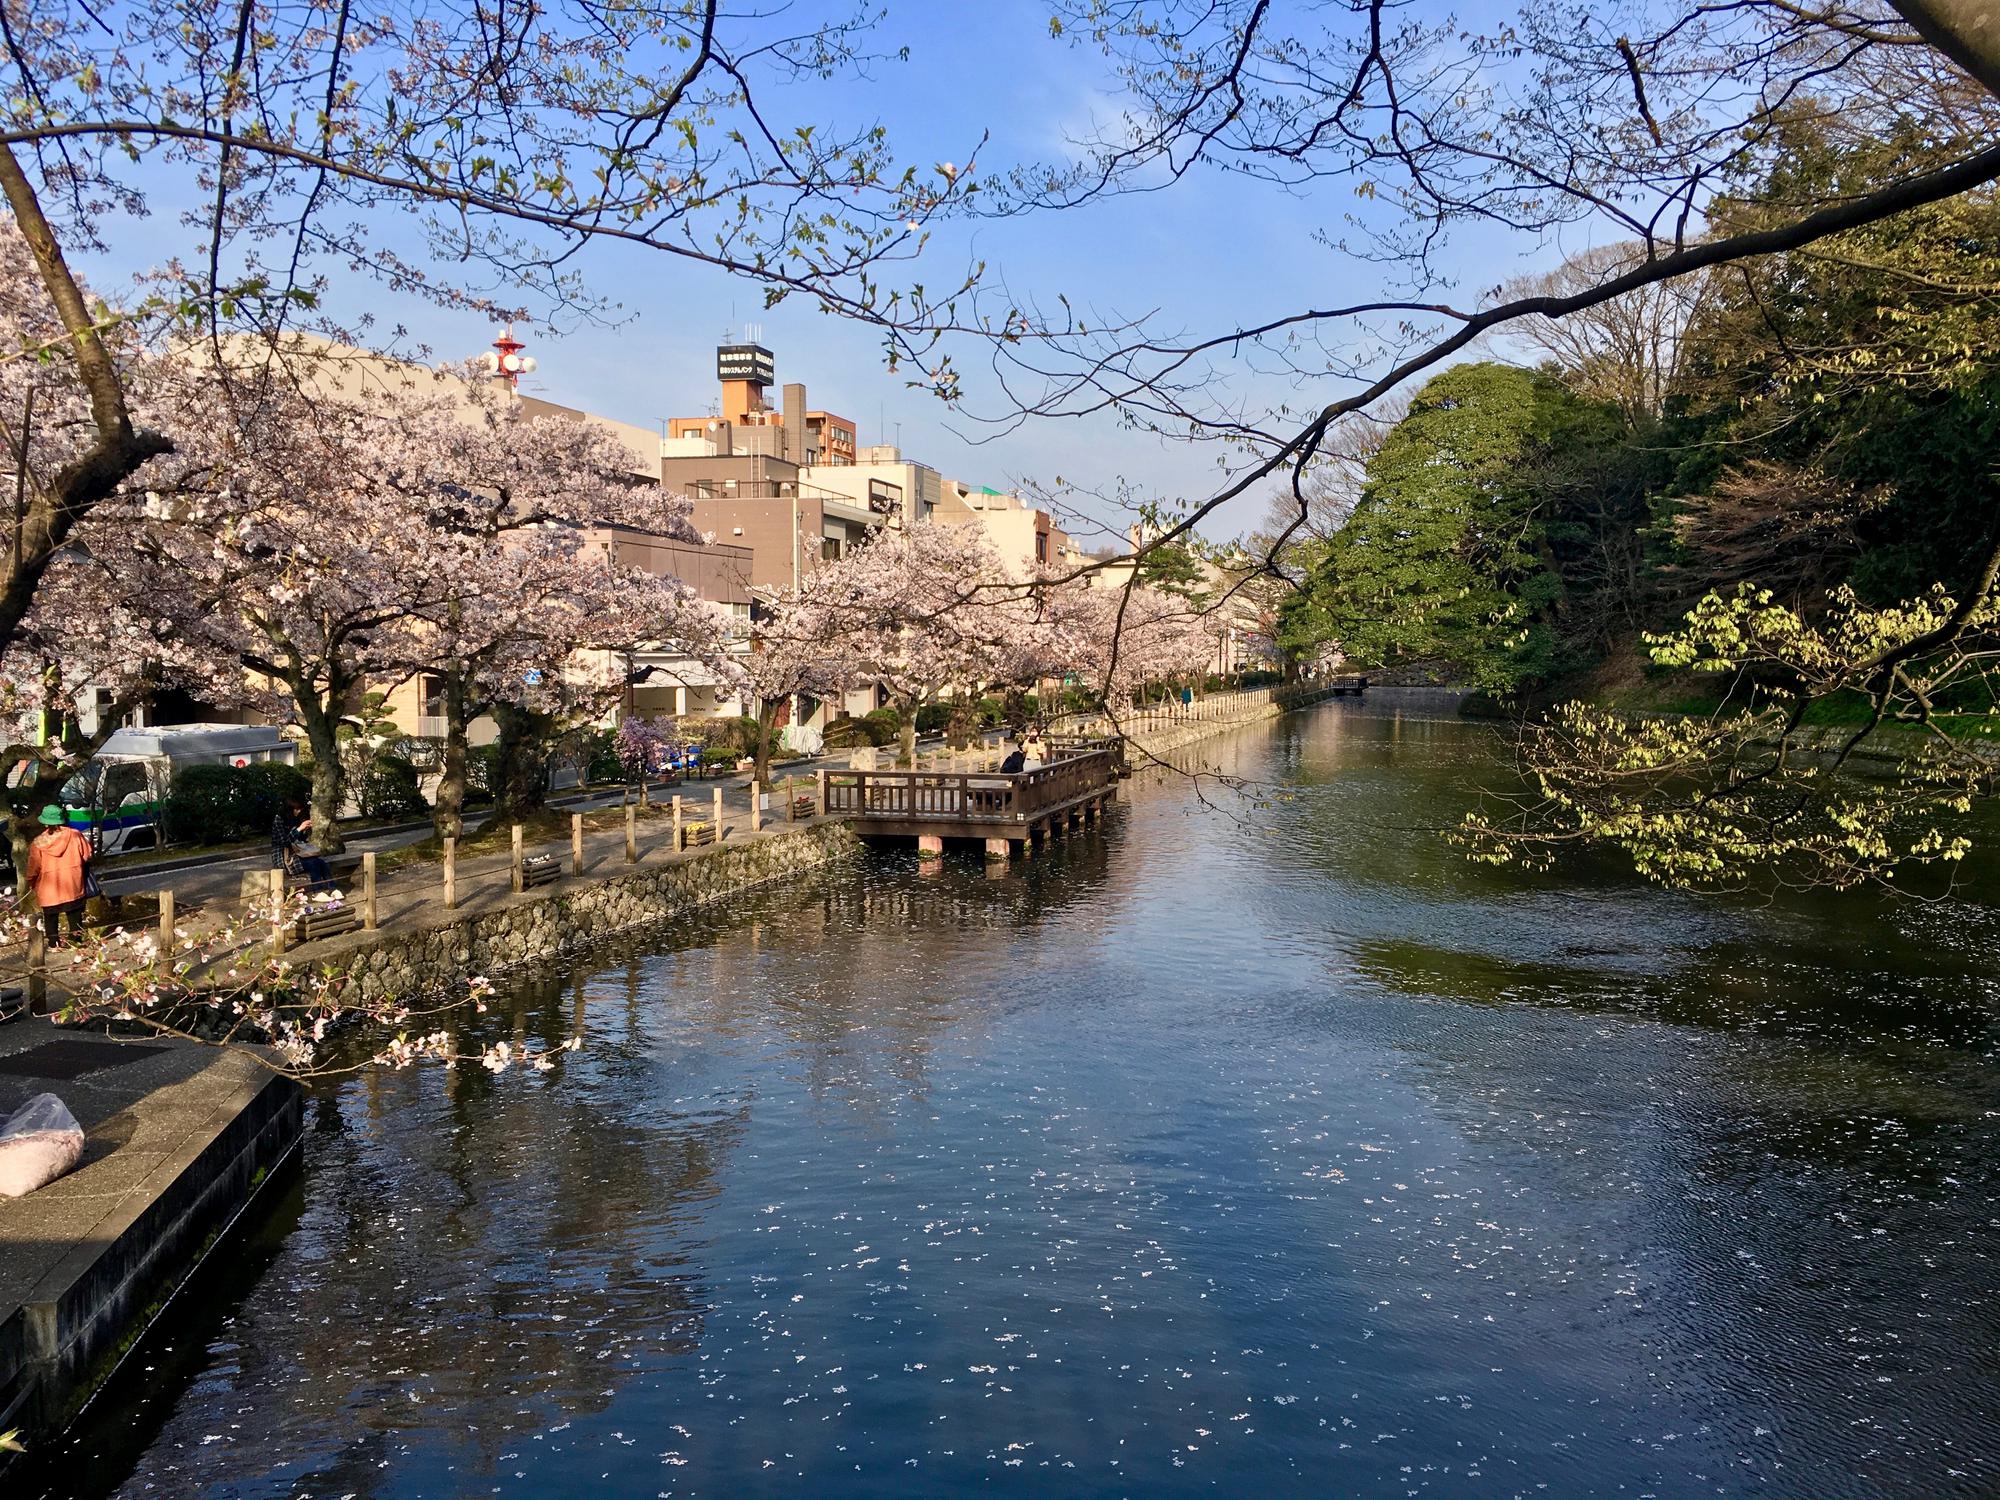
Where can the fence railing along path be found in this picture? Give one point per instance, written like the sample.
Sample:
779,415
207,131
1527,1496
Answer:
275,916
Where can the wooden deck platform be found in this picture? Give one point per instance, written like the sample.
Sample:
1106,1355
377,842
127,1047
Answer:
989,805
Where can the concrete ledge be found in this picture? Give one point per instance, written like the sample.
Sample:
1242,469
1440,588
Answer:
434,948
179,1139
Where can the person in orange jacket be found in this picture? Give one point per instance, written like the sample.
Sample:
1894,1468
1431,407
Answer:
56,861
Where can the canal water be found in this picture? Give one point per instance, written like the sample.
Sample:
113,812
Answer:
1244,1147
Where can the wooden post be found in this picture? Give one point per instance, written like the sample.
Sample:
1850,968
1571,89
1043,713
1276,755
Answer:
677,822
370,916
38,967
166,924
791,800
631,833
451,874
277,911
819,793
520,871
576,843
718,815
756,806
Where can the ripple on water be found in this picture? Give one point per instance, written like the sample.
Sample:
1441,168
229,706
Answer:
1267,1149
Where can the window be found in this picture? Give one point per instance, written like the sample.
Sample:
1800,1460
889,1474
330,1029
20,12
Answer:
829,549
1041,546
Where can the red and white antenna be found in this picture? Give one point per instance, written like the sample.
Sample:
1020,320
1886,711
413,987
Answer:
509,361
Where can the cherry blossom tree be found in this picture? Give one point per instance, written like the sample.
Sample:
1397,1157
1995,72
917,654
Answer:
918,612
524,615
794,649
302,130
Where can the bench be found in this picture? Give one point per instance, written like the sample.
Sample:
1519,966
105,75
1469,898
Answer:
255,885
696,832
540,869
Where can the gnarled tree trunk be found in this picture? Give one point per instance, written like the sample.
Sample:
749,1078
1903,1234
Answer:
520,762
448,806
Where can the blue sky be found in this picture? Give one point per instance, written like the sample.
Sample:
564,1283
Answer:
1207,254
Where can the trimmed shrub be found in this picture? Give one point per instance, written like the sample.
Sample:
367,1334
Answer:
203,806
933,717
601,762
482,774
263,788
216,804
390,789
884,725
991,711
844,733
721,755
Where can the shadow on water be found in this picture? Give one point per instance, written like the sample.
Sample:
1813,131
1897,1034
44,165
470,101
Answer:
1269,1148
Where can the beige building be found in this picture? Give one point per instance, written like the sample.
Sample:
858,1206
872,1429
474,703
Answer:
1027,538
790,483
884,482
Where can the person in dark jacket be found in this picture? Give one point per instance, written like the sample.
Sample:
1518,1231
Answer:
1017,759
292,849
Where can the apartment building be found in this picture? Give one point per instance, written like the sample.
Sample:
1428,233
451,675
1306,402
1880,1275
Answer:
1026,537
789,481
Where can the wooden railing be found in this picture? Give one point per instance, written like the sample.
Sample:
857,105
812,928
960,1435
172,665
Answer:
970,797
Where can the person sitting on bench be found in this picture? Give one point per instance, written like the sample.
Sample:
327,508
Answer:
292,849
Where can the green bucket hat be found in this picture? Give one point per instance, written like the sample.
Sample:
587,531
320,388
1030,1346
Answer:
52,816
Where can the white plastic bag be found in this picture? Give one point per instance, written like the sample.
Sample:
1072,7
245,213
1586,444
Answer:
40,1141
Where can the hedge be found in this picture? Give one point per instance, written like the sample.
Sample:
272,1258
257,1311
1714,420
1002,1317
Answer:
217,804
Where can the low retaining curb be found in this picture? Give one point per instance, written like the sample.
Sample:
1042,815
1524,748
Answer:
437,951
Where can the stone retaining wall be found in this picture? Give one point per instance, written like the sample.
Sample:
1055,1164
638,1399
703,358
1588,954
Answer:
1158,740
539,925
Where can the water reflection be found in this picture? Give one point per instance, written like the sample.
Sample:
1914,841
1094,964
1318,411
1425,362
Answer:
1271,1148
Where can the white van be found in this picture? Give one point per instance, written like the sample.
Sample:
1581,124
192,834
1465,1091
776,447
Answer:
116,799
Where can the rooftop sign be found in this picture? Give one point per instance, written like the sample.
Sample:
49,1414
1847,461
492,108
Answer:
752,362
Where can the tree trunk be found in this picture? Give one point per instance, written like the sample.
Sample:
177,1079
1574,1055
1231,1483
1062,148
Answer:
448,807
1966,31
118,451
767,715
329,783
520,762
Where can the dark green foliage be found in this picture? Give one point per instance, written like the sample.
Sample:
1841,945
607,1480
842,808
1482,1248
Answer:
481,774
203,806
266,786
219,804
932,718
604,764
845,733
390,789
720,755
1453,553
884,725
